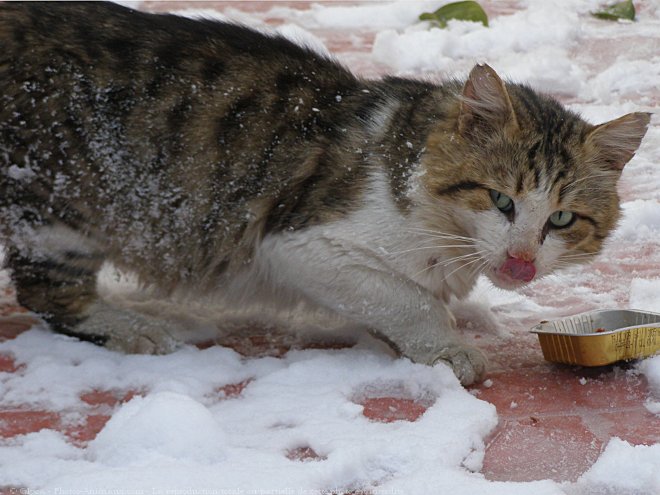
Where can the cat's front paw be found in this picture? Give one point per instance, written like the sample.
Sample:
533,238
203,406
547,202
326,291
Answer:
468,363
129,332
145,339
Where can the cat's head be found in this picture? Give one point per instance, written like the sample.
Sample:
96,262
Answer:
529,181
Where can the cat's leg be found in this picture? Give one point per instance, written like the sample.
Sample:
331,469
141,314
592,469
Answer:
57,278
357,285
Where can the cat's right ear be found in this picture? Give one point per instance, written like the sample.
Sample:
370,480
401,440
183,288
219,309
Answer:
615,142
485,104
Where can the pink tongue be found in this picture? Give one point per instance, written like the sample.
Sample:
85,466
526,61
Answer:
518,269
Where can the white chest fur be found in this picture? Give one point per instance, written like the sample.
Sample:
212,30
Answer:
383,238
372,269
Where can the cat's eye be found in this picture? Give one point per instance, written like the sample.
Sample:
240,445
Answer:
503,202
561,219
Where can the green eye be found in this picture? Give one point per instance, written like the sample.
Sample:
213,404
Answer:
503,202
561,219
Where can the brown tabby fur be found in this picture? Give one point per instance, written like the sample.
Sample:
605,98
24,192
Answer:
174,147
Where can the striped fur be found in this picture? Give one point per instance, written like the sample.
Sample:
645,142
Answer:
209,158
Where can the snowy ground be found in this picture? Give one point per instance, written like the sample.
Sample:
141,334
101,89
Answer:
184,434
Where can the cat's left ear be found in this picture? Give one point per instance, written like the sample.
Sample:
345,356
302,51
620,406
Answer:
485,104
616,142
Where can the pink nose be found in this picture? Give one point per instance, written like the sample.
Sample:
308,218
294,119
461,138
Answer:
518,269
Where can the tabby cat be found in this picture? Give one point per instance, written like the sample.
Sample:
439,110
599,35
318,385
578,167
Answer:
207,157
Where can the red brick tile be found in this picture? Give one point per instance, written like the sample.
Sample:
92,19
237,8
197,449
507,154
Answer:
102,404
535,448
258,342
7,363
513,353
12,309
389,409
554,419
87,431
349,41
304,454
609,388
561,390
206,344
245,5
233,390
13,490
19,422
108,397
636,426
11,327
528,391
257,345
328,344
100,397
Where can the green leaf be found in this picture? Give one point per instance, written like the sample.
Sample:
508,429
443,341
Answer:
461,11
620,10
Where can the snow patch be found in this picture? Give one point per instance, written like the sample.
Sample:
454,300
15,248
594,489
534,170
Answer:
530,45
641,221
161,425
650,367
626,79
645,294
623,469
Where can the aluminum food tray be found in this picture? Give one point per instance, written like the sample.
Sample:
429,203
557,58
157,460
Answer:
597,338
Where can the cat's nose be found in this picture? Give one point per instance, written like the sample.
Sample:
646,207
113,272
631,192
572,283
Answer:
522,254
519,269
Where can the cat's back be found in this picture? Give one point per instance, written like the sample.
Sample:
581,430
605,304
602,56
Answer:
138,124
159,87
96,34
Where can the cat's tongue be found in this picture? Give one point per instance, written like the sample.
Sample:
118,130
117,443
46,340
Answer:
518,269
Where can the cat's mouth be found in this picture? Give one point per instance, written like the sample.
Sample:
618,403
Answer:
513,273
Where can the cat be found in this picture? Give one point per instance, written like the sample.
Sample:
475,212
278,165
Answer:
207,157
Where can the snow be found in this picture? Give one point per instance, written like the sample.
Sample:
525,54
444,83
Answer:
539,45
530,45
623,469
375,15
651,369
616,81
644,294
182,434
149,429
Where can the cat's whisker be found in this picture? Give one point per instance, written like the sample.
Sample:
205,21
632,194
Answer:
447,237
436,235
480,267
447,262
576,258
439,234
436,246
461,268
572,260
590,176
578,255
563,266
450,261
